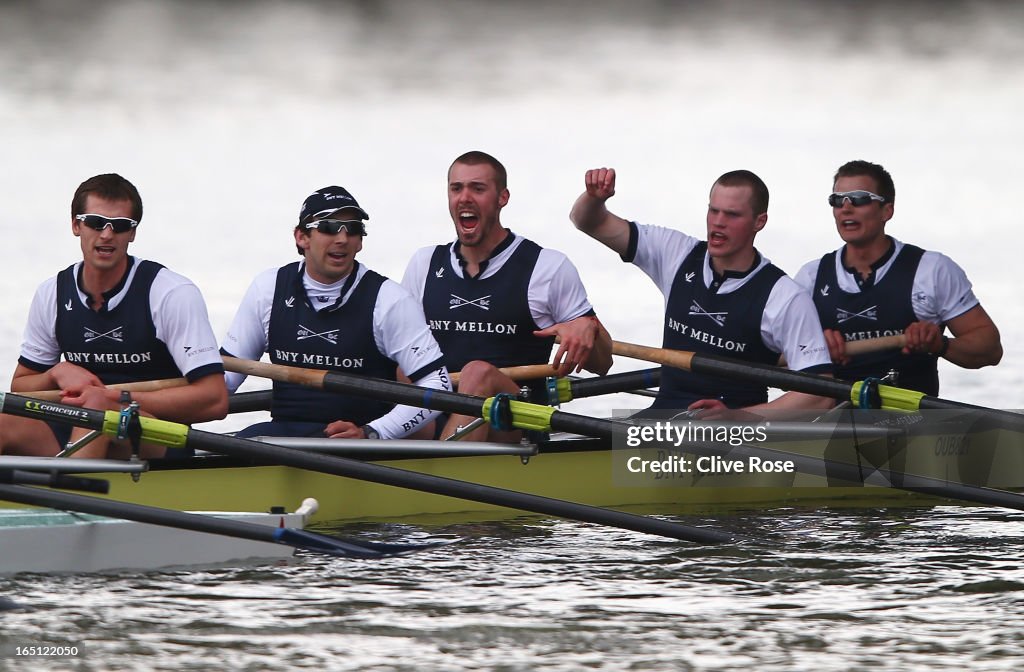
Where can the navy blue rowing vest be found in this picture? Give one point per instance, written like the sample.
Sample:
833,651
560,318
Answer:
883,309
339,338
487,319
700,320
118,345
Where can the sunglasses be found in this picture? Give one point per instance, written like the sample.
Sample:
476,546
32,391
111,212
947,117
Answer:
856,198
332,227
99,222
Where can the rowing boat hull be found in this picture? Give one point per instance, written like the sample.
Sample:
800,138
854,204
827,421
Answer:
44,541
952,448
590,472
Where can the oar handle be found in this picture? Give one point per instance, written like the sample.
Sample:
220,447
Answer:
140,386
681,359
285,374
249,367
870,345
314,377
521,373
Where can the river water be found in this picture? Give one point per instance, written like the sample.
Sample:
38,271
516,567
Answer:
227,114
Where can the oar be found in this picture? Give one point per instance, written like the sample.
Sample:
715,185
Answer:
54,479
868,345
140,386
893,398
536,417
261,400
309,541
566,389
529,416
172,434
516,373
246,402
629,381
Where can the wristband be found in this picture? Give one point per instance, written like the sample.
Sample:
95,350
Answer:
945,347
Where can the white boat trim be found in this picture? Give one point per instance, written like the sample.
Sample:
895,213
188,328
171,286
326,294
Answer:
48,541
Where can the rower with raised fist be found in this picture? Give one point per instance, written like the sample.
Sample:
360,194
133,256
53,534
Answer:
722,296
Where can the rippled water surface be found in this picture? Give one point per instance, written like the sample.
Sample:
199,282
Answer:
929,588
227,114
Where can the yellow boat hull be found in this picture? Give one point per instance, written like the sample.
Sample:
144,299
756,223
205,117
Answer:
590,472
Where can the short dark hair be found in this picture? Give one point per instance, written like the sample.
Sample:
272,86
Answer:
745,178
475,158
110,186
886,189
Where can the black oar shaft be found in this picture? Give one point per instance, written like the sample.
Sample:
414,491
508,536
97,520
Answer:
616,382
704,364
770,376
194,522
136,512
799,381
246,402
340,466
830,468
439,485
451,402
828,387
55,480
710,364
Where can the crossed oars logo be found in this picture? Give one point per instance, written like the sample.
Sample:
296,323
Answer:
114,334
846,315
331,335
457,302
718,318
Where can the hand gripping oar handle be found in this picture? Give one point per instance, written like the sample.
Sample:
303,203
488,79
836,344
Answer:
311,377
566,389
177,435
893,398
517,373
140,386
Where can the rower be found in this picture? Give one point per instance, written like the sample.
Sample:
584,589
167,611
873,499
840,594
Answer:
875,285
328,311
495,299
113,318
722,296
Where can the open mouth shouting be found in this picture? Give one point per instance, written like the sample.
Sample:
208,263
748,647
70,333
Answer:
717,239
468,220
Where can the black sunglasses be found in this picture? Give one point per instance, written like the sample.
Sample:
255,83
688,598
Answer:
332,227
856,198
100,222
